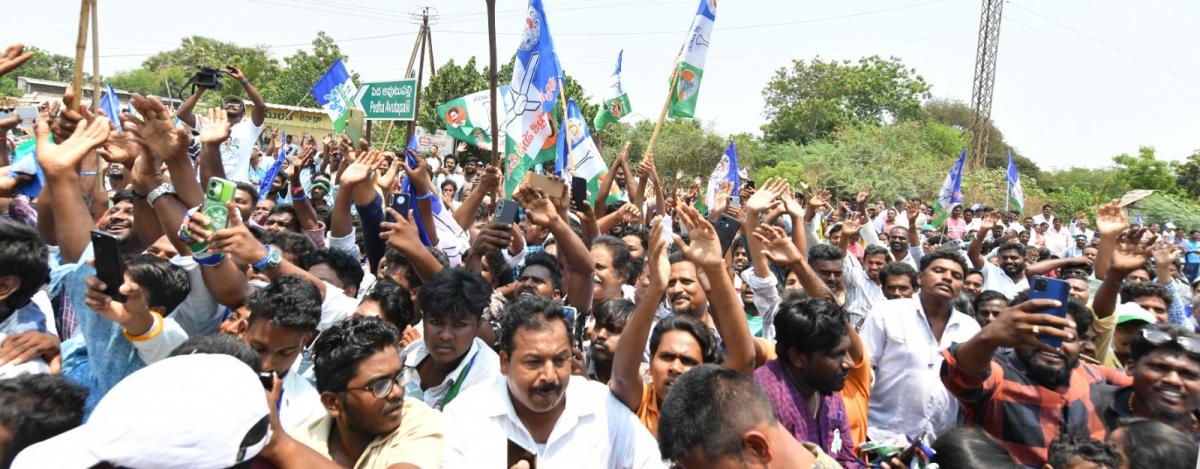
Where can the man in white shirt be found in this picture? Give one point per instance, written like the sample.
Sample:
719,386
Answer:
1011,276
538,411
1047,216
449,358
243,134
904,338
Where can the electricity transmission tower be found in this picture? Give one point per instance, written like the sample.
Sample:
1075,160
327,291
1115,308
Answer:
985,79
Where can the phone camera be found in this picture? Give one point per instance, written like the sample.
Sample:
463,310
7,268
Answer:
1039,284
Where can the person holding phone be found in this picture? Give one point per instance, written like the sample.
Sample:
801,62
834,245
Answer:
996,389
243,133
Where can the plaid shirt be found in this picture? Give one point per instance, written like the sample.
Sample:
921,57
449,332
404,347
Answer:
1024,415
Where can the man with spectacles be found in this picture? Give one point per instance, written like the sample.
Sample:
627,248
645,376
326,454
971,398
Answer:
1165,365
370,424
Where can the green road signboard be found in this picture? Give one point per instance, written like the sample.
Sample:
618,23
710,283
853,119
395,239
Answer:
389,100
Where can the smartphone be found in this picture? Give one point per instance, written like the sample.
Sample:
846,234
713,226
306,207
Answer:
727,228
1043,288
216,200
400,204
579,191
267,379
108,264
572,315
506,212
552,187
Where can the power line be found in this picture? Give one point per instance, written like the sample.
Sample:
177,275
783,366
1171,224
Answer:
1110,46
1139,25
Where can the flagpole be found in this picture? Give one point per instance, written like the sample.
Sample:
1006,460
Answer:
662,115
562,96
80,47
491,11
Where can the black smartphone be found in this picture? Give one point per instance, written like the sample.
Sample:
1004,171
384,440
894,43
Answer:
108,264
1043,288
400,204
579,193
516,453
267,379
506,212
727,228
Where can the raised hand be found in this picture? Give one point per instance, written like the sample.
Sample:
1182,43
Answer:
57,158
628,213
913,210
489,180
235,73
705,248
988,222
1166,254
9,181
217,129
237,241
159,134
539,209
767,198
863,195
303,161
122,147
853,222
492,237
1111,219
658,264
1015,326
401,234
135,308
14,56
360,169
417,175
387,178
64,123
777,247
819,199
1132,252
721,198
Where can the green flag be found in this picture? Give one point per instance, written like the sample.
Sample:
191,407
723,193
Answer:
690,69
616,105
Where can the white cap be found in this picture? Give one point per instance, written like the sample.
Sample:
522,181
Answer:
190,411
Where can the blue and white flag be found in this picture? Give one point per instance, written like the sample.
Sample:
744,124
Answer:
453,240
264,186
335,92
726,170
531,100
584,160
111,105
951,193
1015,193
616,103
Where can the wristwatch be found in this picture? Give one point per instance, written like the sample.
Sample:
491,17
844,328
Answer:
271,261
161,190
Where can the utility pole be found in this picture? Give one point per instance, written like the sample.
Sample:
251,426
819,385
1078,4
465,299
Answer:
985,80
423,46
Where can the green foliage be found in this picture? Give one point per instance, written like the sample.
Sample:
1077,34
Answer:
1187,175
1144,171
194,51
290,85
44,66
1162,207
959,115
146,82
813,100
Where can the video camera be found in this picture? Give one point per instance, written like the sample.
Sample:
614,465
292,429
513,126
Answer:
208,77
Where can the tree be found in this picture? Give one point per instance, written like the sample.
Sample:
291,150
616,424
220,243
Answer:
43,66
146,82
959,115
202,51
1146,172
290,85
1187,175
450,82
813,100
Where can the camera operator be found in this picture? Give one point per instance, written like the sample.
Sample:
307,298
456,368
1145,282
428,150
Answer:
235,151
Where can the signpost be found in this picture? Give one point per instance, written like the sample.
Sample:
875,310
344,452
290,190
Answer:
389,100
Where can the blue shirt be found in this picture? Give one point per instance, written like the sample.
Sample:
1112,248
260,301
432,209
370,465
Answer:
1193,251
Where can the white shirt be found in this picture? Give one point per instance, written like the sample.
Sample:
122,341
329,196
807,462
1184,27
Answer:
300,403
235,151
595,430
908,396
994,278
766,299
483,362
862,294
1039,219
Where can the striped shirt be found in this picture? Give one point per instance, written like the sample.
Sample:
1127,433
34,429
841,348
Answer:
1023,415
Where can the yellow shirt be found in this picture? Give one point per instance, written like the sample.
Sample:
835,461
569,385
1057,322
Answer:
1105,327
647,410
417,441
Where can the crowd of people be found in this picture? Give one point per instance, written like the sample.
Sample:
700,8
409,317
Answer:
324,323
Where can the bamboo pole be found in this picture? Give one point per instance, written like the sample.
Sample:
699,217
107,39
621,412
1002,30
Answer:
80,47
491,11
96,59
662,115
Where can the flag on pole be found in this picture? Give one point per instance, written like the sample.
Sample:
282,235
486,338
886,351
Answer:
453,240
726,170
468,118
1015,193
951,193
335,92
264,186
529,129
584,160
690,64
407,188
616,105
111,105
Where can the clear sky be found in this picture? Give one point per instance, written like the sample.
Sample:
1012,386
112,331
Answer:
1078,81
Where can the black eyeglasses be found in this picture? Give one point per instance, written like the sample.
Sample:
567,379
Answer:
1156,337
381,388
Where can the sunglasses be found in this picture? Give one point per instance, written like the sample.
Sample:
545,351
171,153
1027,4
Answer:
1156,338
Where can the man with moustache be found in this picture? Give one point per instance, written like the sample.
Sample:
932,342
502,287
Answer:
1012,275
538,412
1028,395
1166,381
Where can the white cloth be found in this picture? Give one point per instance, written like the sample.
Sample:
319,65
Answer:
1039,219
862,293
484,363
235,151
766,299
33,366
595,430
994,278
300,403
908,396
336,307
160,346
199,314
